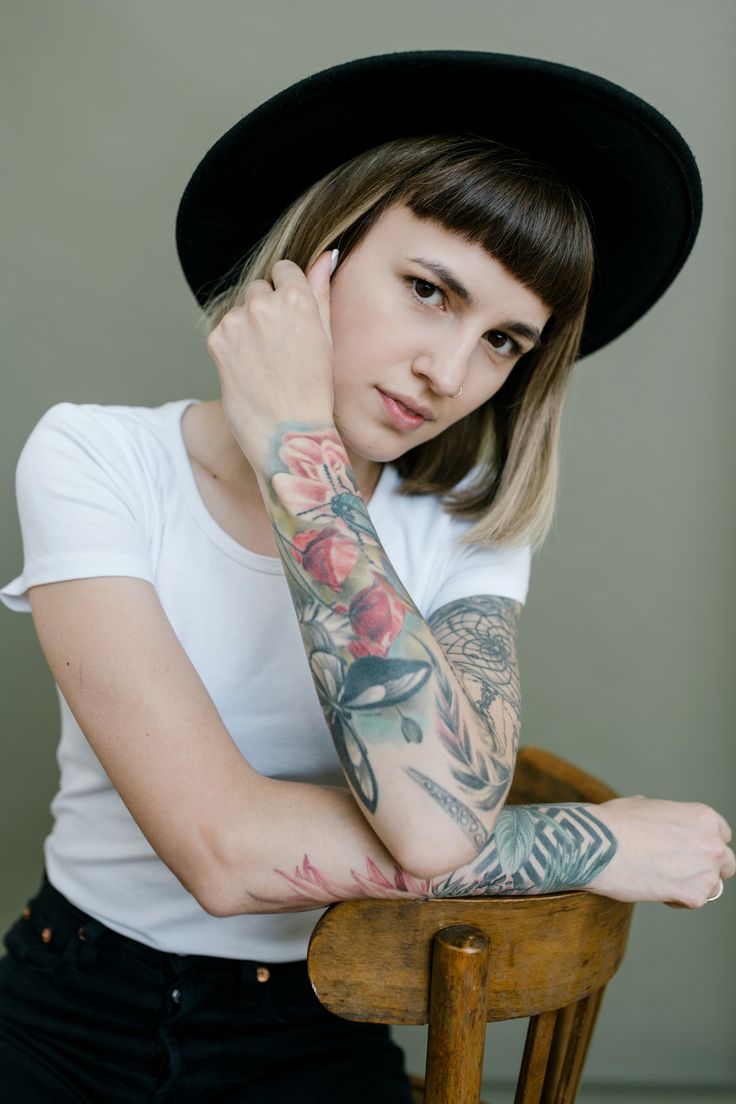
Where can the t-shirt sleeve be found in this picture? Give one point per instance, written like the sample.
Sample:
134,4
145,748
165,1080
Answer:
83,505
500,570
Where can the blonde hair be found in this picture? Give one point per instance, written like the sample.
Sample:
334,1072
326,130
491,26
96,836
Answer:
535,225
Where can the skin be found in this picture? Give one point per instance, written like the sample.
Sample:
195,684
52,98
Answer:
309,418
425,722
242,842
417,341
423,344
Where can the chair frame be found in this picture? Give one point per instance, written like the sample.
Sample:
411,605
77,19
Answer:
459,963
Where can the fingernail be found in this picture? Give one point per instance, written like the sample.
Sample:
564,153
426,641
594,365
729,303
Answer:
333,263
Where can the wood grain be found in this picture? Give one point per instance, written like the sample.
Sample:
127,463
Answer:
459,963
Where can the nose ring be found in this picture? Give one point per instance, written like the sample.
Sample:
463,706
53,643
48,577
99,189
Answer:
458,394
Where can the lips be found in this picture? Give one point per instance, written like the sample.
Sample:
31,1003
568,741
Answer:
403,418
411,404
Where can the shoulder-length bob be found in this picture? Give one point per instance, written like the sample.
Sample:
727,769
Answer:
531,221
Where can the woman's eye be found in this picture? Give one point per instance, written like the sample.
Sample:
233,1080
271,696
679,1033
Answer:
500,341
503,343
423,289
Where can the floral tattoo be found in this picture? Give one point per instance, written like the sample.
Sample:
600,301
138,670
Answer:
369,649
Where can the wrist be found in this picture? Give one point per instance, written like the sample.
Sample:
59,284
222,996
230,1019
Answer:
294,446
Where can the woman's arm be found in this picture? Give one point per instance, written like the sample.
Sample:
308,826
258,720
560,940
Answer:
391,699
321,850
429,765
533,849
242,843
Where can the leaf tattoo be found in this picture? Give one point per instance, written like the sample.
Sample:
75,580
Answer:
411,731
488,783
514,838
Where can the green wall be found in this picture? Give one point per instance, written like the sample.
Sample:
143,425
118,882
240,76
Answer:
627,638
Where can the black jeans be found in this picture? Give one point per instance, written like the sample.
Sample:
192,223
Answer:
88,1016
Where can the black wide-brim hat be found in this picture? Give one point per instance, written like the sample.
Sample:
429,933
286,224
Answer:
635,172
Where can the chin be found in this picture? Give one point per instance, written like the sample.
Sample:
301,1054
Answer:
376,446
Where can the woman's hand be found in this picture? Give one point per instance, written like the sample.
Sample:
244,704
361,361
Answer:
669,851
274,356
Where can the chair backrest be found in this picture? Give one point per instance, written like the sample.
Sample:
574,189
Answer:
460,963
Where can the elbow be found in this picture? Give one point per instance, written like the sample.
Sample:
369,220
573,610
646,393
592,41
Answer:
215,901
425,856
434,861
215,877
210,890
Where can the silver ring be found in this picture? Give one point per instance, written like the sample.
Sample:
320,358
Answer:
718,894
458,394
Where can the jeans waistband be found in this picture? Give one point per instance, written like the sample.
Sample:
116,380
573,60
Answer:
52,916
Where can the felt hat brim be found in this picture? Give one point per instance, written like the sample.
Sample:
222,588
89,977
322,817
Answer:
634,170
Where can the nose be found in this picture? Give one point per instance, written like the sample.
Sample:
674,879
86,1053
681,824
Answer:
445,366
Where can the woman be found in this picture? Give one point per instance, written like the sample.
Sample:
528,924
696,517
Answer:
393,315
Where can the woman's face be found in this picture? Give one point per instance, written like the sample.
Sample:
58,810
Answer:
402,327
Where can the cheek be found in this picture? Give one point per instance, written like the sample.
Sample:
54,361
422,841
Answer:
366,337
487,378
476,392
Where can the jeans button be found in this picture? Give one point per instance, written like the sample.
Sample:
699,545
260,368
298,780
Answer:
263,973
176,996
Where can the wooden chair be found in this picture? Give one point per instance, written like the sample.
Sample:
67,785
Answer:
458,964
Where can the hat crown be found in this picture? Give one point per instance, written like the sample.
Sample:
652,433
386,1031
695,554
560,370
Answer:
634,170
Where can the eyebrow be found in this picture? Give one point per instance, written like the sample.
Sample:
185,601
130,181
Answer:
521,329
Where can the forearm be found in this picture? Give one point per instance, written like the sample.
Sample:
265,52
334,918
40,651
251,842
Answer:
413,748
533,849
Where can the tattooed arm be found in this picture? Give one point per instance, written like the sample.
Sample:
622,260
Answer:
478,636
427,742
533,849
629,848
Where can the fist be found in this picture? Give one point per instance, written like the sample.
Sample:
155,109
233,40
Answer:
669,851
273,355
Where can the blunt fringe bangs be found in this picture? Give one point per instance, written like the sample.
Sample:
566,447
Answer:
534,224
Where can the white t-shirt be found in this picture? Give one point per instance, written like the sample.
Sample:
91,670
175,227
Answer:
109,490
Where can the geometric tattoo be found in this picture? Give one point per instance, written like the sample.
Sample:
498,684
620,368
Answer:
533,849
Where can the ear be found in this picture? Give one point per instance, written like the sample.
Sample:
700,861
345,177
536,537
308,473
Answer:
318,278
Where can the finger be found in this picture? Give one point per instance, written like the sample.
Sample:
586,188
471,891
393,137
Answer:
318,276
724,829
286,272
256,287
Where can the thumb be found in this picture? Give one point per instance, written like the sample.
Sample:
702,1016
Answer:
318,278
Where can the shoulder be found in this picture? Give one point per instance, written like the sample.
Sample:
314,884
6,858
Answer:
427,514
97,433
91,419
441,564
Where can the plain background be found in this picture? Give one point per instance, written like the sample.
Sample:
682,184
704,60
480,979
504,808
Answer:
627,637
